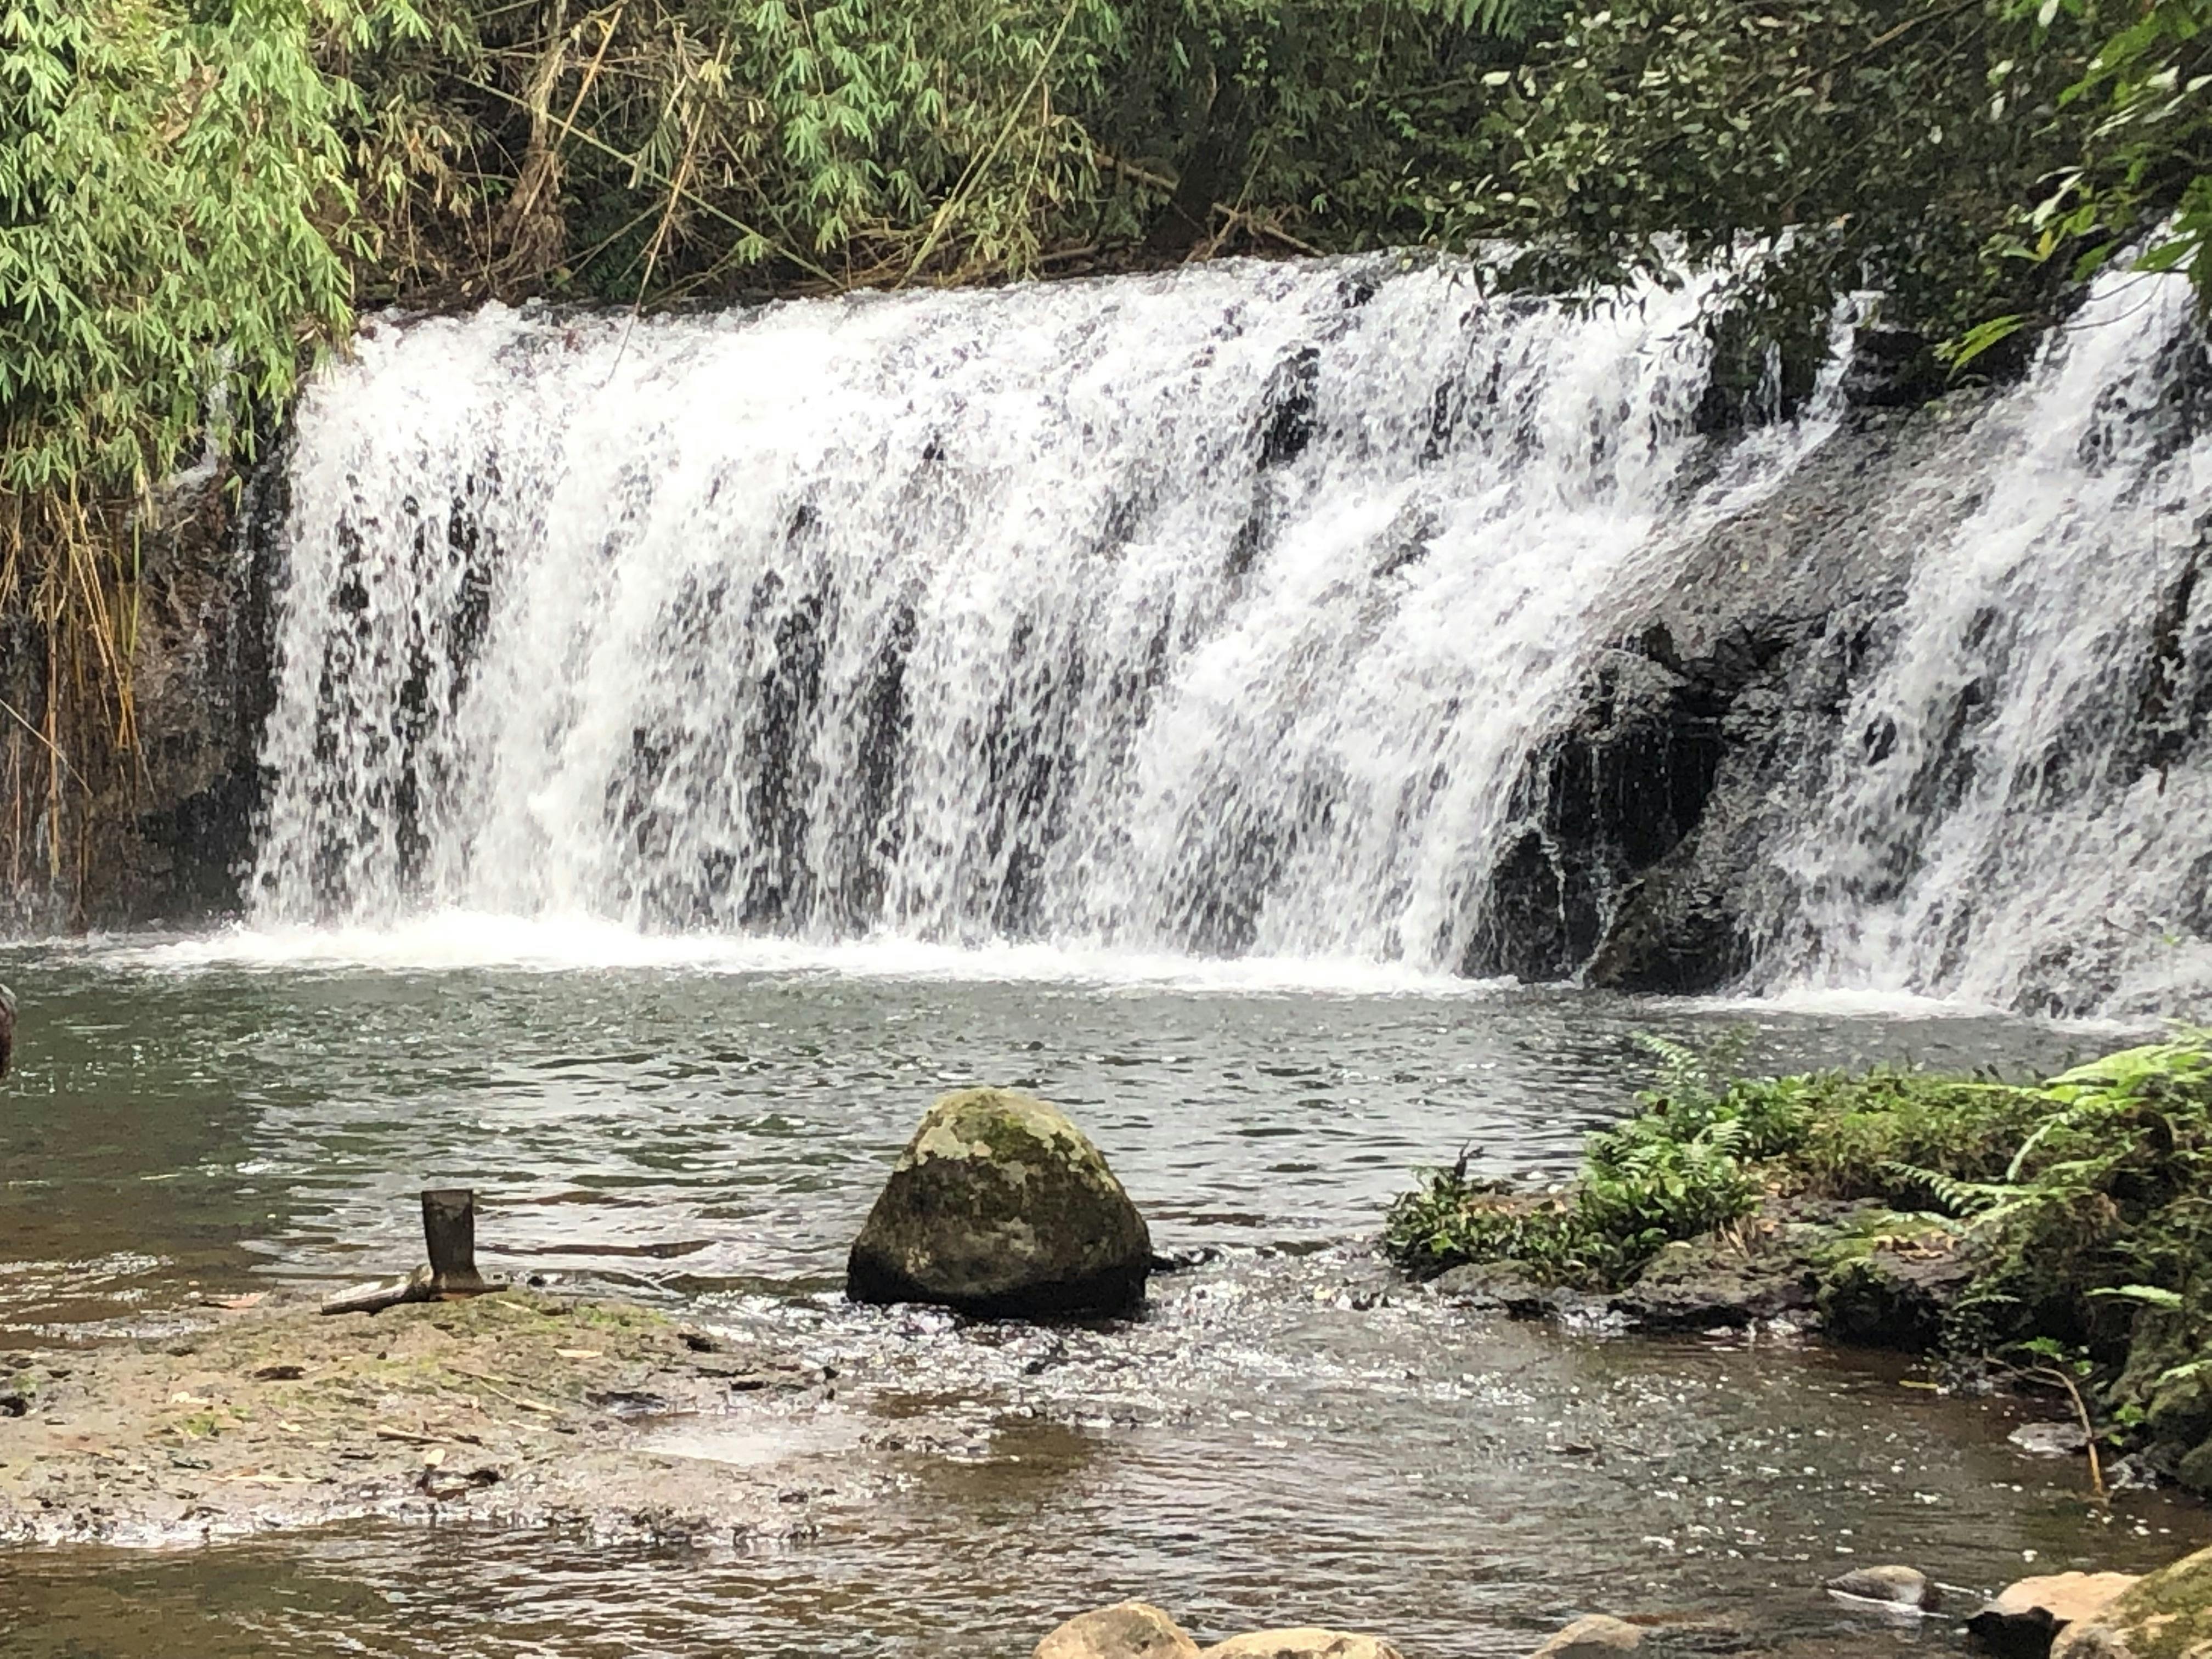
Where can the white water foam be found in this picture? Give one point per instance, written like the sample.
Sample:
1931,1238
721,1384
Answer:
450,941
1197,617
2017,815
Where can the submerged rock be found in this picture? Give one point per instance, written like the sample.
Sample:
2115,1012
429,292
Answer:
1302,1642
2021,1622
2050,1439
1127,1630
1000,1207
1596,1636
1892,1586
2166,1615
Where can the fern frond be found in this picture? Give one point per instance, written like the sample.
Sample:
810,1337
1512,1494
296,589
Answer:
1979,1199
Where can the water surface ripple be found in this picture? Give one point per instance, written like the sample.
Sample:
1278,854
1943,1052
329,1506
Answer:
1286,1436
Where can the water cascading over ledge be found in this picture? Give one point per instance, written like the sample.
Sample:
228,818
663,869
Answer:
1200,613
1281,609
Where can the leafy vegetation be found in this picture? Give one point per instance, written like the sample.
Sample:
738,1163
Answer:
174,230
2084,1200
194,194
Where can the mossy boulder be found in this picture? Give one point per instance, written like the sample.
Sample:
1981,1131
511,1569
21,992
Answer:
2166,1615
1000,1207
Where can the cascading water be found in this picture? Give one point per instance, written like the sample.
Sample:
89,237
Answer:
1208,613
1222,613
2020,812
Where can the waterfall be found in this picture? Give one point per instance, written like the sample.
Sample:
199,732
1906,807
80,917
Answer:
1222,613
2019,811
1208,613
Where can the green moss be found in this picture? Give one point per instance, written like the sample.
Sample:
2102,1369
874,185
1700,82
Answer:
2167,1616
1012,1128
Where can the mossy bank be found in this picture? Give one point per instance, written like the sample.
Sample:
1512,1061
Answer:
516,1408
2056,1232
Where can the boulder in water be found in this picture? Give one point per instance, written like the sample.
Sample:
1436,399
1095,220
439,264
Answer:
1302,1642
1000,1207
1904,1588
1595,1636
1127,1630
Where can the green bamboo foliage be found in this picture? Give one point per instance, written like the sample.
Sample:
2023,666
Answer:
175,229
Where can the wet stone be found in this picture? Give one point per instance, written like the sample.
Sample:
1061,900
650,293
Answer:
2025,1616
1894,1586
1127,1630
2056,1439
1596,1636
1303,1642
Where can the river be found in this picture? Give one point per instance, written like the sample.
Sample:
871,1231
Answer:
1287,1435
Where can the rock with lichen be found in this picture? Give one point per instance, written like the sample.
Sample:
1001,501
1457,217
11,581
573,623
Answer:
1305,1642
2166,1615
1000,1207
1127,1630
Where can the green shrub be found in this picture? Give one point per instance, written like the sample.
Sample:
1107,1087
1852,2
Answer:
2086,1199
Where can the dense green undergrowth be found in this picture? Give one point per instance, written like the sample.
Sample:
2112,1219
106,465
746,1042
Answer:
2083,1201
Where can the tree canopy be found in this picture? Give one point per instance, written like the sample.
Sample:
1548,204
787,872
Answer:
196,195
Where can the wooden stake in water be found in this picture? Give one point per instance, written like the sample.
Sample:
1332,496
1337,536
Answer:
449,1233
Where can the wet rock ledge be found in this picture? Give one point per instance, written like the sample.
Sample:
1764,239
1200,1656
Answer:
515,1407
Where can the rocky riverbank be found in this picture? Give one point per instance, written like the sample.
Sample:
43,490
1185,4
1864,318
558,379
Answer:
516,1407
2166,1615
2043,1232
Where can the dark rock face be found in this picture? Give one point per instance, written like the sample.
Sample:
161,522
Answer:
1505,1287
1649,814
108,836
1716,1282
1001,1207
1898,1295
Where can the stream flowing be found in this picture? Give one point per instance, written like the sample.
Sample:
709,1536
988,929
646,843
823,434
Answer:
1287,1434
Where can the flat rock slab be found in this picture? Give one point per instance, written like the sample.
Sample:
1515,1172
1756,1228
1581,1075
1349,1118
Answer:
515,1407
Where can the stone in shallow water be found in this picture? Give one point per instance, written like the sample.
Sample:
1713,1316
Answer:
1301,1643
1127,1630
1896,1586
1598,1636
2050,1439
999,1206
